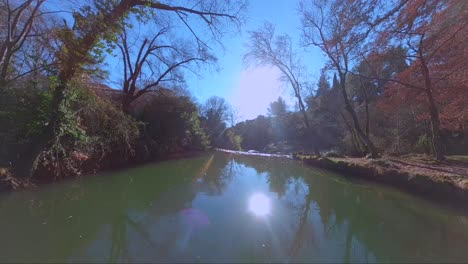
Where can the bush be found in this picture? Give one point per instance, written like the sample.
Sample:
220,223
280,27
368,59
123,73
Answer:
24,111
91,130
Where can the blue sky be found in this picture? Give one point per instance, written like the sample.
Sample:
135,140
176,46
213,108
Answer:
250,90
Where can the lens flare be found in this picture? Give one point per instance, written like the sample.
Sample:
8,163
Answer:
259,204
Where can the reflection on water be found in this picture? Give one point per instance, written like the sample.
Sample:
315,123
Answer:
259,204
219,208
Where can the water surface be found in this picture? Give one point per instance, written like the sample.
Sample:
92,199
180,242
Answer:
221,207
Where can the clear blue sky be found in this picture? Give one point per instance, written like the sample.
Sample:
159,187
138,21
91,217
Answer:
250,90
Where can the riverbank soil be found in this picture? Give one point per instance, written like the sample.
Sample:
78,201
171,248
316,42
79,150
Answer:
444,181
10,183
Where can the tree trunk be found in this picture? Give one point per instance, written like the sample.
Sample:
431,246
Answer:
367,141
126,103
436,139
354,139
398,137
306,118
5,63
366,101
367,114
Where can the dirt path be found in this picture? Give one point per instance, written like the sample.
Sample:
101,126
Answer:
449,170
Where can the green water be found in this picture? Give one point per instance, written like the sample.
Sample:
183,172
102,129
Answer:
224,208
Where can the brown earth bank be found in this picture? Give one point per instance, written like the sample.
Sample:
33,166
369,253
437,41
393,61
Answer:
445,182
111,162
9,182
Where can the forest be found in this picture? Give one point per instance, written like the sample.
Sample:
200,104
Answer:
395,82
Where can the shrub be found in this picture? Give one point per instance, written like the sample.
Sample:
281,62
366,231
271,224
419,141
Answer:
91,129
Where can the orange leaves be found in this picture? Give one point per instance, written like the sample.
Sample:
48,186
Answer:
435,33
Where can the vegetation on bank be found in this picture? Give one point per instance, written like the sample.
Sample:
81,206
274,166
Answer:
95,134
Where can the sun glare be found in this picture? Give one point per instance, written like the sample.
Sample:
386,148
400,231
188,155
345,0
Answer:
259,204
262,87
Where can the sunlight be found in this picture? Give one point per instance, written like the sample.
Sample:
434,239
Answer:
259,204
255,89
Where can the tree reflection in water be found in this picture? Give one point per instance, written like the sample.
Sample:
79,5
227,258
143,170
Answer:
360,222
197,210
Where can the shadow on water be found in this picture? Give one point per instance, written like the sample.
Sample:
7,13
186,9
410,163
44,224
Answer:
54,223
197,210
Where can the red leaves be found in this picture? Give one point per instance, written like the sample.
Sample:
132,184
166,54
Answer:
436,35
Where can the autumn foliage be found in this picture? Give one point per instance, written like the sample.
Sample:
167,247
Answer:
440,38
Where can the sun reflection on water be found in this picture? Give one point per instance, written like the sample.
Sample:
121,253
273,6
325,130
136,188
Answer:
259,204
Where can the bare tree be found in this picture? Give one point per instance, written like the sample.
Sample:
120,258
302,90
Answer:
156,62
17,25
266,48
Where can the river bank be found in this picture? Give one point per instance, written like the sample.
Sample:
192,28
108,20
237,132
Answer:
9,182
445,182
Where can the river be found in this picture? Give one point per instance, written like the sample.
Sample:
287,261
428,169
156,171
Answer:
221,207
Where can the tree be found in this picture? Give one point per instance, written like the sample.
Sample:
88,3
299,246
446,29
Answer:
340,29
156,62
278,108
278,111
367,81
172,124
216,113
230,140
101,21
435,34
324,109
366,84
18,25
323,87
266,48
256,134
